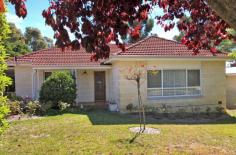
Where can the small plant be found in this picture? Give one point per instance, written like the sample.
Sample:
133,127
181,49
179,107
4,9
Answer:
196,111
163,108
181,113
208,111
14,97
4,110
15,107
220,110
33,107
26,100
63,106
130,107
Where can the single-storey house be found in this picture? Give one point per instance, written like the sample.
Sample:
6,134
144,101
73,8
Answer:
182,80
231,85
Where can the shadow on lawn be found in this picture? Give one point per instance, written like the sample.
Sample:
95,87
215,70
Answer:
108,118
104,117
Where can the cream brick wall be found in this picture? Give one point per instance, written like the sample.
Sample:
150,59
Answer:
23,81
85,86
231,91
124,92
85,83
115,85
213,82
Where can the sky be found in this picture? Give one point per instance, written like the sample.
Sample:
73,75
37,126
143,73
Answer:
34,19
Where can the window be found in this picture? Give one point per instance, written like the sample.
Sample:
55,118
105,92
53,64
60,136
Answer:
47,74
180,82
10,73
193,78
155,79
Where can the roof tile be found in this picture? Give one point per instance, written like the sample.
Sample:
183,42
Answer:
155,46
151,46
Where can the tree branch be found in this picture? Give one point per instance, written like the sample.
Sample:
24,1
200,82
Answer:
225,9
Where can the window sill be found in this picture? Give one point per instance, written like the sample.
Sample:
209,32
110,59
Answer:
173,97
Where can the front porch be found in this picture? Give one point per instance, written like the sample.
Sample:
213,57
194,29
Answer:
92,84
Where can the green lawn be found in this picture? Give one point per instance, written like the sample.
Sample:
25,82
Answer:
108,133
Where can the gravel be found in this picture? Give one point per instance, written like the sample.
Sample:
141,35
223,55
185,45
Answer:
146,131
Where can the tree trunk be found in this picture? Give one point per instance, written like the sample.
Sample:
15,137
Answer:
143,111
225,9
139,106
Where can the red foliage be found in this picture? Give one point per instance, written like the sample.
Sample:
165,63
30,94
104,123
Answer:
2,6
94,23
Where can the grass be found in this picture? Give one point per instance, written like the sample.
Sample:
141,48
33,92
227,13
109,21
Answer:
100,132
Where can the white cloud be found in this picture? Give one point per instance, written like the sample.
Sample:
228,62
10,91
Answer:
12,18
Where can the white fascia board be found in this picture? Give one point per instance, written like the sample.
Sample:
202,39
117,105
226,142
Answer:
154,58
71,67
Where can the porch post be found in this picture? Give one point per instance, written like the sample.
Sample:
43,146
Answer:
33,83
76,83
37,84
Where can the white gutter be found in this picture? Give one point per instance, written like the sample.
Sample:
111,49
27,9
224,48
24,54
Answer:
72,67
154,58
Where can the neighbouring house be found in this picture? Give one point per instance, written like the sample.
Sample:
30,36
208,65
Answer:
231,85
183,79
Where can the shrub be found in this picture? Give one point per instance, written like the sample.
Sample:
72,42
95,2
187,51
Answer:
220,110
33,108
4,110
208,111
130,107
15,107
46,106
63,106
60,86
13,97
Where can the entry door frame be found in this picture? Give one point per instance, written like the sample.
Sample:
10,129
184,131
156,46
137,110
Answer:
99,73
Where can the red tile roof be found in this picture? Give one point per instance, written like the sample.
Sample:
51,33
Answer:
57,57
151,46
155,46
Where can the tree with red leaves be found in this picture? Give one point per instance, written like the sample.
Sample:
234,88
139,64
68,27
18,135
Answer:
95,23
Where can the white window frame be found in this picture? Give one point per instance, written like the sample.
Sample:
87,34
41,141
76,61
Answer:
186,94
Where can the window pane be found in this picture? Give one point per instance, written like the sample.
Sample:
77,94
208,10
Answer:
154,79
180,91
180,78
168,78
174,78
47,74
155,92
169,92
194,91
193,78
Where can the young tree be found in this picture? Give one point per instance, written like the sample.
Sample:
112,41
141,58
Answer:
94,23
137,73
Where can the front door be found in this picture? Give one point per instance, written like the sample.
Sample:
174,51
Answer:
100,86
